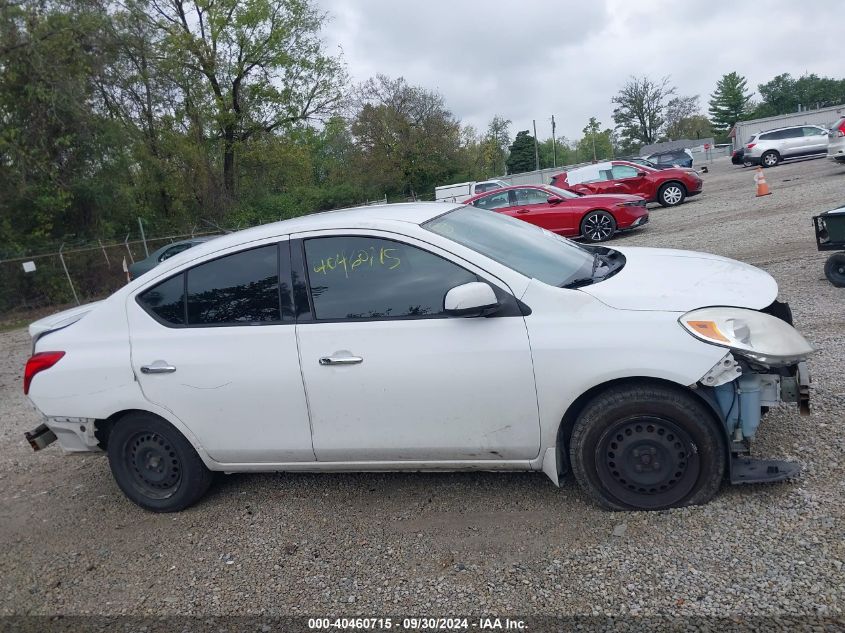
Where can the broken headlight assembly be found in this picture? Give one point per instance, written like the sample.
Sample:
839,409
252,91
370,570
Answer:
754,335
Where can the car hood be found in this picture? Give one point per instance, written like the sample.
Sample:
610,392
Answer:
678,281
60,319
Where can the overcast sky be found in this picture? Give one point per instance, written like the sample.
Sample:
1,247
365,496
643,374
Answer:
529,59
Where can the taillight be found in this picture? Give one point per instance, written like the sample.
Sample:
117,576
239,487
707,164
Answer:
38,363
840,131
750,145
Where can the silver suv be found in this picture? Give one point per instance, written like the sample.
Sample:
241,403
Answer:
772,146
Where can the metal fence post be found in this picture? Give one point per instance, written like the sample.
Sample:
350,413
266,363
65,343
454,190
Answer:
69,281
128,250
143,239
105,254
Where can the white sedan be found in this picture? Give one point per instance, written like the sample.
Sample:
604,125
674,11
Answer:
423,337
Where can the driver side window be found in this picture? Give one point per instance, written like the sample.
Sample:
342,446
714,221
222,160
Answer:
623,171
355,277
530,196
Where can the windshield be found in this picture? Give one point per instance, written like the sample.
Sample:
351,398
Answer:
523,247
561,193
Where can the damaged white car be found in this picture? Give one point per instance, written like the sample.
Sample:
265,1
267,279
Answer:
424,337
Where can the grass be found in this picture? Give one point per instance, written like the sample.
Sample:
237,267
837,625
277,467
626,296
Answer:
8,326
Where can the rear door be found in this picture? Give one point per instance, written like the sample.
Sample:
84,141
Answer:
216,346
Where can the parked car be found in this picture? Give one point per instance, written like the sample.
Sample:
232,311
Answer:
738,157
595,218
836,141
464,190
162,254
669,187
637,160
672,158
424,336
773,146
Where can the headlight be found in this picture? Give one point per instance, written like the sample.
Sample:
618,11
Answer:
755,335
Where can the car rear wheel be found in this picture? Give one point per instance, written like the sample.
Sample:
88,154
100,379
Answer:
598,226
671,194
154,465
770,159
746,163
647,447
834,269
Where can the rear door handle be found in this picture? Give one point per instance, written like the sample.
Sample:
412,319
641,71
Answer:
158,367
341,360
522,210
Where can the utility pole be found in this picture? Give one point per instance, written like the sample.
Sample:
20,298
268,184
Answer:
536,149
554,144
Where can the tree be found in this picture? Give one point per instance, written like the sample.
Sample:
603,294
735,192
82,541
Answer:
521,157
639,109
783,94
408,141
730,101
496,145
258,66
679,111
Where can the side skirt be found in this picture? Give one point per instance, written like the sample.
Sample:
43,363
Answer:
381,466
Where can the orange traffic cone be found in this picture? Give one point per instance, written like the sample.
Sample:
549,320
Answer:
762,186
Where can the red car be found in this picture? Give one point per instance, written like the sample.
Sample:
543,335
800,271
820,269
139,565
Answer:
595,218
669,187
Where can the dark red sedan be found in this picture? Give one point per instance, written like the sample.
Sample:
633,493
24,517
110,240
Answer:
595,218
669,187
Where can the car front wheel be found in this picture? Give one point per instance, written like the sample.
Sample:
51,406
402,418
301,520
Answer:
671,194
834,269
598,226
154,465
770,159
647,447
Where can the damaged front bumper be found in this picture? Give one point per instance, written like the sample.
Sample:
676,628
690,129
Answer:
741,392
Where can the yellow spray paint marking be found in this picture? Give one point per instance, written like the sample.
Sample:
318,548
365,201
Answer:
363,257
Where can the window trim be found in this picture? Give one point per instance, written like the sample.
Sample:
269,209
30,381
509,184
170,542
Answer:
510,305
282,272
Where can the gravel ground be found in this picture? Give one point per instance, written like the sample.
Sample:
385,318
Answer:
443,544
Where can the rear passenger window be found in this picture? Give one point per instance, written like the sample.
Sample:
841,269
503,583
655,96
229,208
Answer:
166,300
239,288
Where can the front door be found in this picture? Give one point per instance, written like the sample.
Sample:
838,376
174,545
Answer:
389,376
216,346
532,205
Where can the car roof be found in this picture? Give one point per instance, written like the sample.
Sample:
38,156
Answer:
374,216
789,127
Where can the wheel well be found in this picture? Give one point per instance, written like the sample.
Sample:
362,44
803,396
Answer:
103,428
568,421
674,182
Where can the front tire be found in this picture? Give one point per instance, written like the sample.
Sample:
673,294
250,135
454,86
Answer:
647,447
770,159
834,269
154,465
671,194
598,226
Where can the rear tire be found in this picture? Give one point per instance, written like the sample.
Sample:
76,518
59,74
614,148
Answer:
770,159
154,465
646,446
671,194
598,226
834,269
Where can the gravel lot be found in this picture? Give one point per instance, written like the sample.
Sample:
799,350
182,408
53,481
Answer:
444,544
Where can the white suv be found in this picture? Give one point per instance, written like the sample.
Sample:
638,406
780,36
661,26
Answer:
836,141
773,146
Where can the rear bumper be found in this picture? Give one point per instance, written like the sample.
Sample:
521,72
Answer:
75,435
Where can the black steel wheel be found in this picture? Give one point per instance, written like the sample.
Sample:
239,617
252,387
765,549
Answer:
598,226
154,465
834,269
647,446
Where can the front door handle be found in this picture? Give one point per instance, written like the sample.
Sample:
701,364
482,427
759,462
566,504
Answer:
522,210
158,367
341,360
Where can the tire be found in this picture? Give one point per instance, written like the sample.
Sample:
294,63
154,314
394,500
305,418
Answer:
671,194
154,465
747,163
646,446
598,226
770,159
834,269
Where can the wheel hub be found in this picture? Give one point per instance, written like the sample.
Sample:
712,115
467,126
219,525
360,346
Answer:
597,227
154,464
647,461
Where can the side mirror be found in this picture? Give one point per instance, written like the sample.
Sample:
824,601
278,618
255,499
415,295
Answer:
473,299
553,200
641,174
